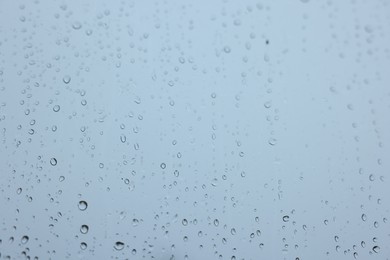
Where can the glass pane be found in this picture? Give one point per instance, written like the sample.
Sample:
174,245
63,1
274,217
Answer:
194,129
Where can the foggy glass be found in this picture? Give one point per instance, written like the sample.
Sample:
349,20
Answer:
194,129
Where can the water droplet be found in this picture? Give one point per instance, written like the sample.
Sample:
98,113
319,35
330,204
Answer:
83,205
119,245
84,229
56,108
53,161
364,217
184,222
216,222
226,49
163,166
24,239
267,104
76,25
135,222
376,224
83,245
286,218
66,79
272,141
376,249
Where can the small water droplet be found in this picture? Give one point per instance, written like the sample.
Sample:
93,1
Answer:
226,49
53,161
76,25
56,108
267,104
24,239
272,141
66,79
376,249
83,205
84,229
119,245
83,245
135,222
